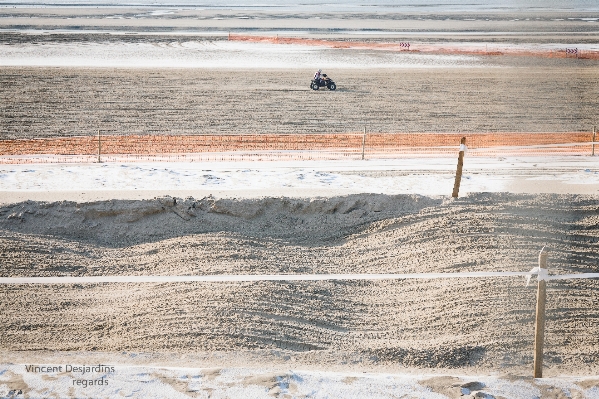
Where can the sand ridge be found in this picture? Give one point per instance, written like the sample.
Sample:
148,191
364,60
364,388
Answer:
384,322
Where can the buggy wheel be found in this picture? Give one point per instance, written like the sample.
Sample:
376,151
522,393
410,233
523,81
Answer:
332,86
314,86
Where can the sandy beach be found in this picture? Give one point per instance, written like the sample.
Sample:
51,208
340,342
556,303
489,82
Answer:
396,321
552,96
171,70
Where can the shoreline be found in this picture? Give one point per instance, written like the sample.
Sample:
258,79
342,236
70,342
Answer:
569,27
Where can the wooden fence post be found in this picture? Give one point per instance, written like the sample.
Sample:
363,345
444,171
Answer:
540,316
363,142
458,173
99,148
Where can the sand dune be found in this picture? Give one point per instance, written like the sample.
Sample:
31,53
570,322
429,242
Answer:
483,324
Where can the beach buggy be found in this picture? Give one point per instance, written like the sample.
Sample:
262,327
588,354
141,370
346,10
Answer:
322,80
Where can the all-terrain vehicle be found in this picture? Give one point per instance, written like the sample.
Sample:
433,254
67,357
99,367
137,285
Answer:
325,81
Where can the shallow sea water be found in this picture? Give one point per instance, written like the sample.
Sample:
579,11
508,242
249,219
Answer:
337,5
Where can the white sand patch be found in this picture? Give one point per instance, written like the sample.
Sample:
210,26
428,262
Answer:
179,382
425,176
218,54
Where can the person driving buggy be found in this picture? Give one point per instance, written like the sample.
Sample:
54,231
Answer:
317,76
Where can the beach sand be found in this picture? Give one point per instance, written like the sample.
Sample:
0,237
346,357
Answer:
472,324
552,96
462,326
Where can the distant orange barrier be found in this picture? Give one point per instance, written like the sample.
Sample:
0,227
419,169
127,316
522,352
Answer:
422,48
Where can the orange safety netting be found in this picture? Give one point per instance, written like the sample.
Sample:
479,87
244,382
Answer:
297,146
421,48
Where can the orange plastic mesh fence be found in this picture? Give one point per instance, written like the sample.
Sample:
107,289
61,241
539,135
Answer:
424,48
280,146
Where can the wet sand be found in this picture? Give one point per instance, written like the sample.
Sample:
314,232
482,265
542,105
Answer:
504,26
547,96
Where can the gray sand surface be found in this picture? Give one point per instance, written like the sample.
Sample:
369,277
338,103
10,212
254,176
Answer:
510,95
